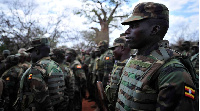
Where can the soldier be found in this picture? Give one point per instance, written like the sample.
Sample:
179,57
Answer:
80,79
42,85
195,57
186,48
12,77
105,62
121,54
59,56
95,77
24,61
6,53
154,79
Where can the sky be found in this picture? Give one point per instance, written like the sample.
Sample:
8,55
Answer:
182,13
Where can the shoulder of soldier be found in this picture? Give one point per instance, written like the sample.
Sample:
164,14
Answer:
76,64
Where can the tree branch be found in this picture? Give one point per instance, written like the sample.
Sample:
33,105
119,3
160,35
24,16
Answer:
111,14
102,10
95,29
98,15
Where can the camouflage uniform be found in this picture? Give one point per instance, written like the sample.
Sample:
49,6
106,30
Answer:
172,90
105,64
69,78
80,80
38,90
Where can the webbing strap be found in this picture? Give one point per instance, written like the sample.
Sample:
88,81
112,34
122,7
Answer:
132,81
158,56
57,90
164,53
139,96
120,107
114,81
55,79
137,72
136,105
114,86
57,84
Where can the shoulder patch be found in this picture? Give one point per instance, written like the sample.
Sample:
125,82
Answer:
78,66
189,92
7,78
107,58
30,76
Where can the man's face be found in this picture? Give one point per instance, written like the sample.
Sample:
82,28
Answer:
117,52
68,57
102,49
137,35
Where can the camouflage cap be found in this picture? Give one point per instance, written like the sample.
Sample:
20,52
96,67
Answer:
120,41
71,51
38,41
6,52
103,43
148,10
59,51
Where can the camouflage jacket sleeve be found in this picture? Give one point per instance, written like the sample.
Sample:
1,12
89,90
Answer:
39,89
79,72
174,83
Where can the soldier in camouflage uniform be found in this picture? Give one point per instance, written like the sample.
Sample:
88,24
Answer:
153,79
121,54
58,55
6,53
80,79
195,57
42,85
13,75
105,62
186,48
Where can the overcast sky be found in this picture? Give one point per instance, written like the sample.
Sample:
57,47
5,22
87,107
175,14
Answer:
182,13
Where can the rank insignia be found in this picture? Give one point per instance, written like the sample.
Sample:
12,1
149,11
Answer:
189,92
30,76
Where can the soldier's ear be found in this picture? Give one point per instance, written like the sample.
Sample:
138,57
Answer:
155,29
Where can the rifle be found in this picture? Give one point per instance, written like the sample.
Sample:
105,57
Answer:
102,96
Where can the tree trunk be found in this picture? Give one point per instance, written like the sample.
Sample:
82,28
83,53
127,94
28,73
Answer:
103,34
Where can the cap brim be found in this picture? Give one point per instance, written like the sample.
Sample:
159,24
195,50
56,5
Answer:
112,48
133,18
29,49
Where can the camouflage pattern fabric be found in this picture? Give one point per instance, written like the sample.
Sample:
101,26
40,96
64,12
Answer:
105,66
148,10
80,82
195,62
173,90
38,89
12,78
70,86
111,89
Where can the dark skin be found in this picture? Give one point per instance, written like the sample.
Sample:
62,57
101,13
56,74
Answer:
103,49
39,53
140,35
70,57
121,53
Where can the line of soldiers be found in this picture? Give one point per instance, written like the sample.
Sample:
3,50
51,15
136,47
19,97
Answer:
155,78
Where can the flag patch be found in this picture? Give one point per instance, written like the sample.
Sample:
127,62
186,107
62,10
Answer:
30,76
78,66
189,92
107,58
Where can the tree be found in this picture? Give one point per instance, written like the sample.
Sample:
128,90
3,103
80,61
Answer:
103,12
19,24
